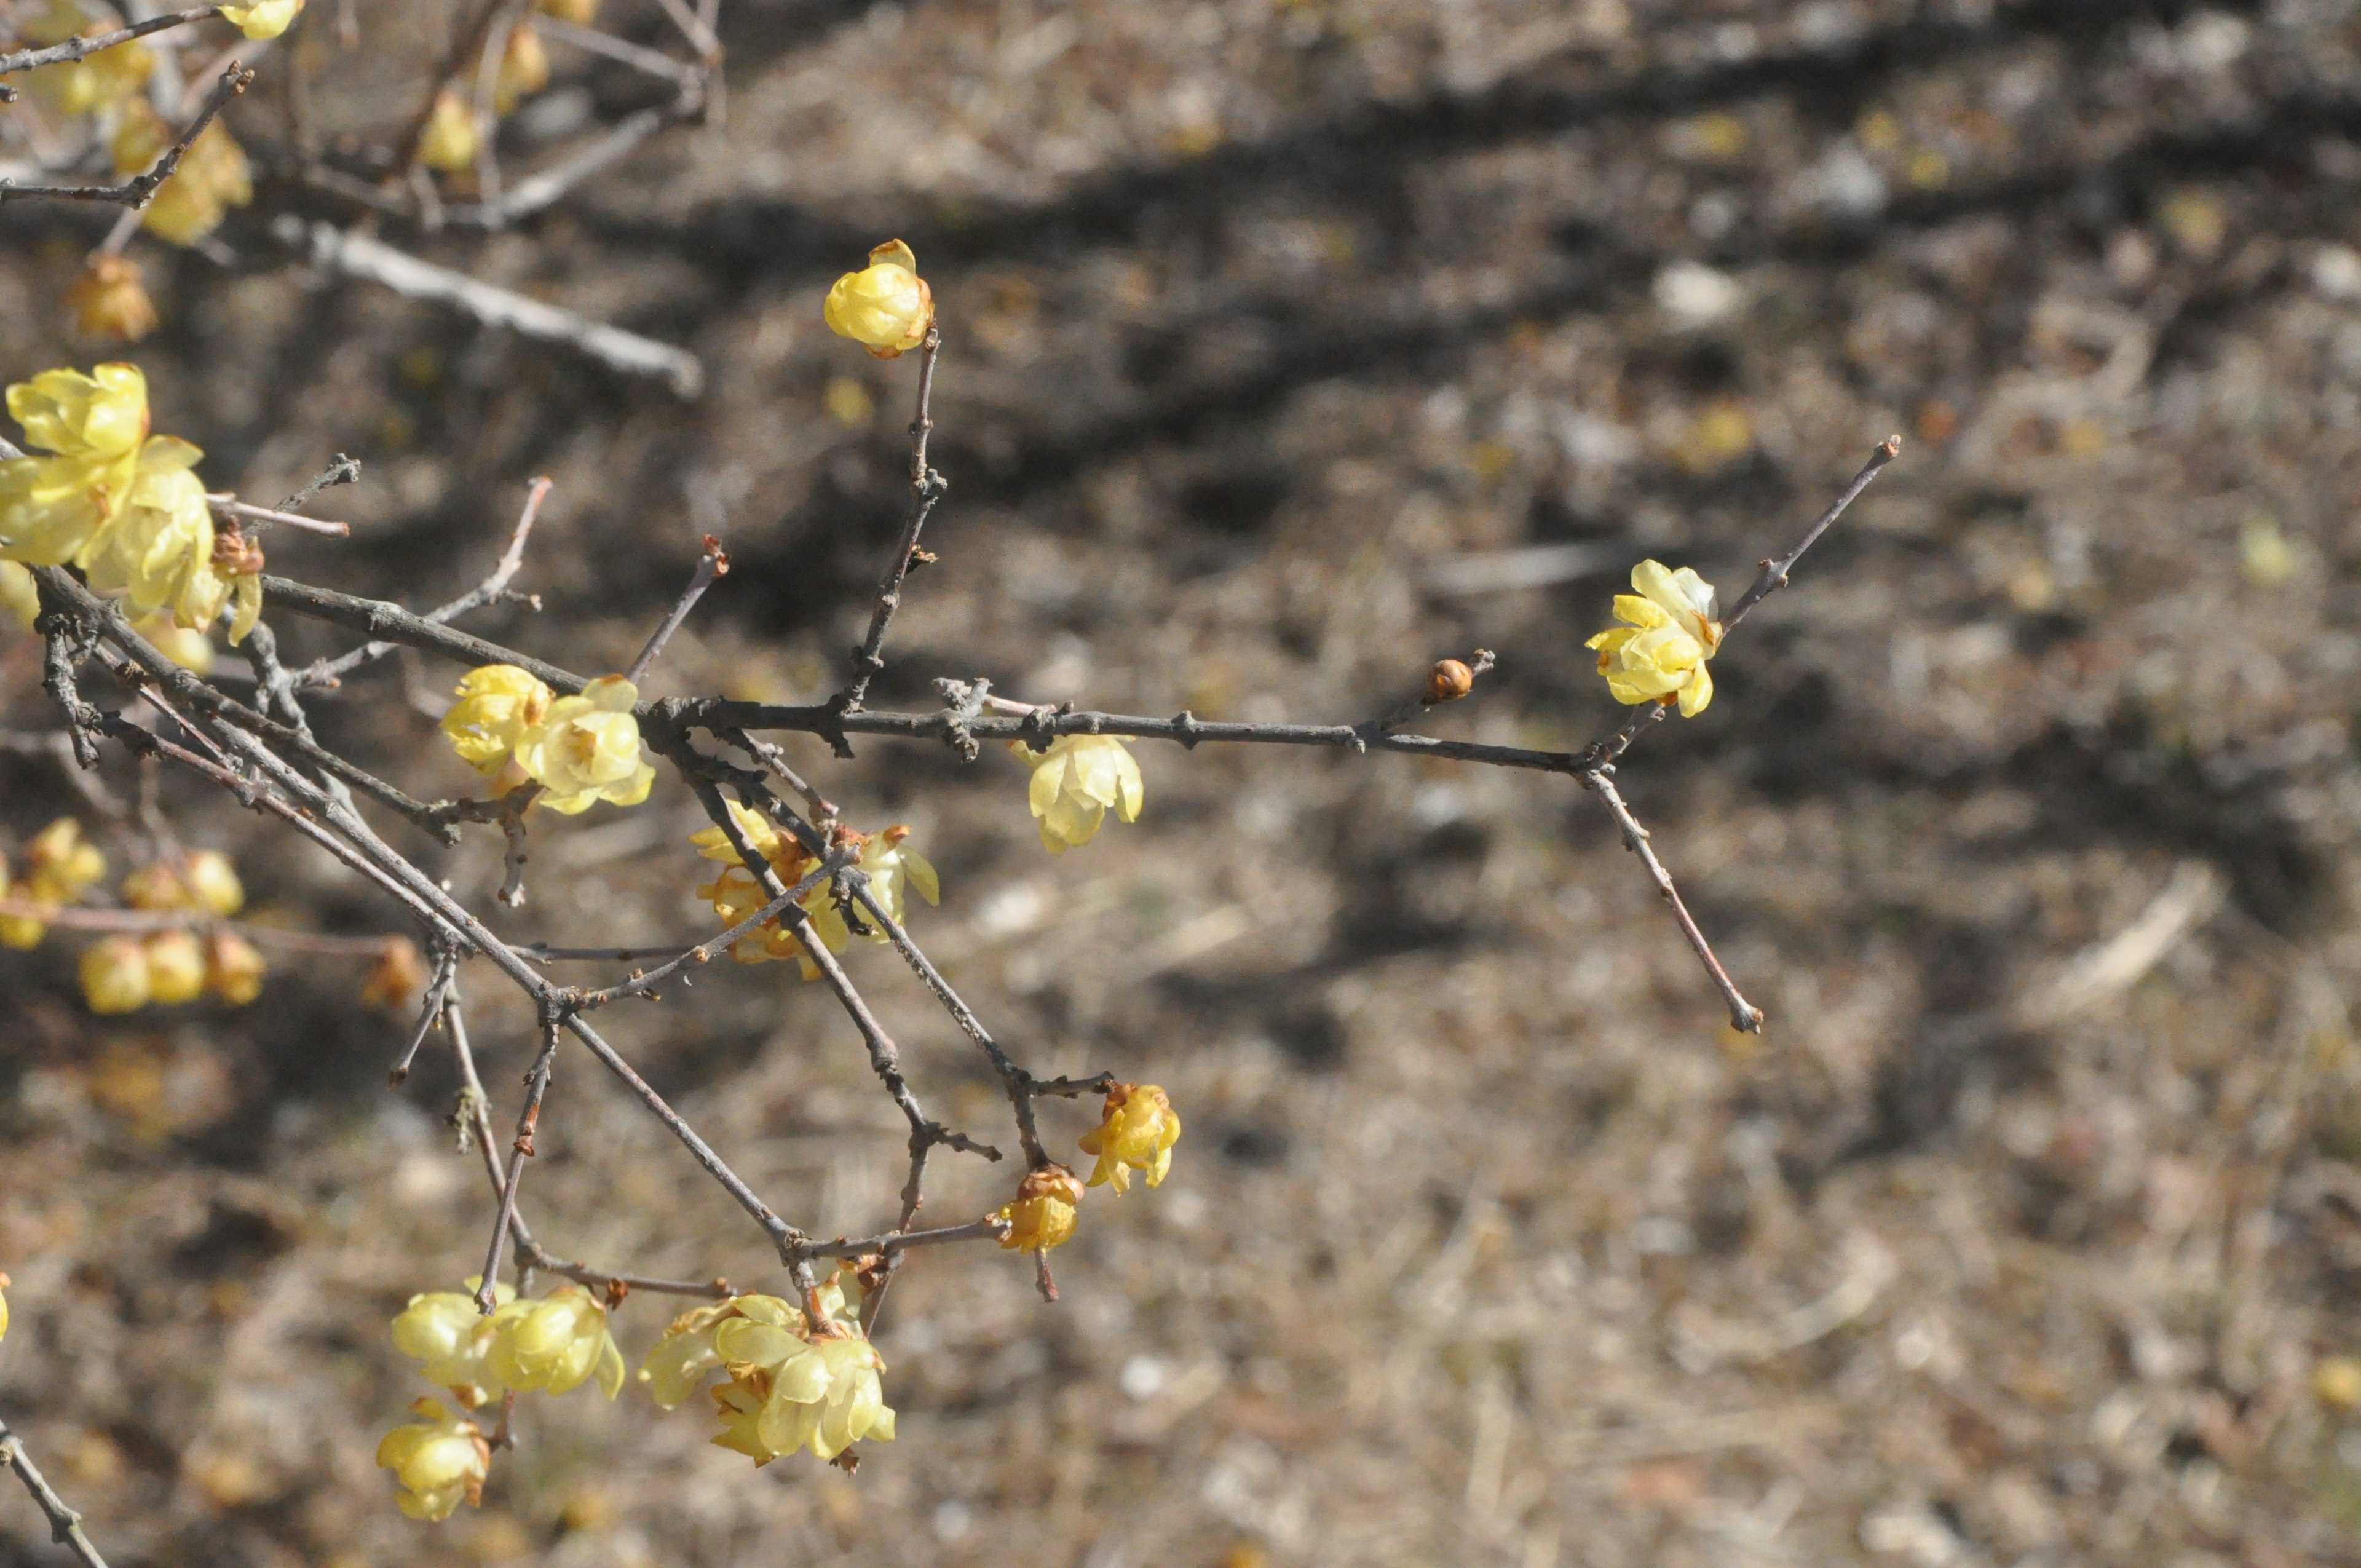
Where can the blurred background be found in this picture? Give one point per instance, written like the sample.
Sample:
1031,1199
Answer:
1290,345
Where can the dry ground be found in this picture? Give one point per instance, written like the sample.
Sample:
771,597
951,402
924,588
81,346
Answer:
2028,813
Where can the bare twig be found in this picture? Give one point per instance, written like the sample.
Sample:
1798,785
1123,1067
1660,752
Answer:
1743,1014
537,1085
639,57
430,1012
82,47
714,562
927,488
65,1525
230,506
1774,572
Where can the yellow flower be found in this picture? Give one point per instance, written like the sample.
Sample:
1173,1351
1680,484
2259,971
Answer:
176,968
554,1345
184,645
61,865
64,507
159,549
154,887
212,884
234,970
895,869
264,19
587,749
20,595
1137,1132
581,13
1076,781
4,1307
497,703
886,305
1043,1215
713,844
110,301
691,1348
1669,631
115,975
438,1461
789,1392
523,69
449,144
452,1341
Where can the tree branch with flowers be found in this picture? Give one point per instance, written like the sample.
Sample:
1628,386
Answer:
111,548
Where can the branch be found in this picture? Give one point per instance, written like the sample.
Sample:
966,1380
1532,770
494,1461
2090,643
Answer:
1744,1015
140,189
537,1085
359,256
714,562
65,1525
77,49
927,488
1774,572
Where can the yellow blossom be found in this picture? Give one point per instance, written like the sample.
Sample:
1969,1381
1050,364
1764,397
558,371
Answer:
65,506
1043,1215
581,13
61,865
154,887
234,970
1076,781
450,142
1659,654
438,1461
212,884
554,1345
184,645
894,869
1137,1132
789,1392
115,975
264,19
110,301
885,306
523,69
690,1347
4,1306
497,703
452,1341
176,968
2336,1381
587,749
159,549
20,595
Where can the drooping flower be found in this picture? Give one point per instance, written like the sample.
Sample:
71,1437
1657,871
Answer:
587,749
894,868
450,141
787,1393
452,1340
264,19
1670,630
439,1459
234,969
110,299
115,975
1074,782
1043,1213
885,306
176,968
554,1345
690,1348
159,550
1138,1132
497,703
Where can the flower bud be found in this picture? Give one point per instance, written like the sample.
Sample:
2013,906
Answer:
265,18
1043,1215
212,884
115,975
154,887
234,970
440,1461
109,300
1449,681
176,968
449,143
885,306
525,69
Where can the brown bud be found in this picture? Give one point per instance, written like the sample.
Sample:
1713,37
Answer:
110,301
1051,1180
235,555
1449,681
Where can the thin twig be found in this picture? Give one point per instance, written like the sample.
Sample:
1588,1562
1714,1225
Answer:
82,47
1743,1014
429,1010
714,562
140,189
1774,572
230,506
65,1525
927,488
537,1085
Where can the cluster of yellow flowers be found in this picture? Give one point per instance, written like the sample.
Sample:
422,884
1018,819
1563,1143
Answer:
124,973
511,728
125,506
793,1382
550,1345
895,869
451,139
1137,1130
59,866
1669,631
